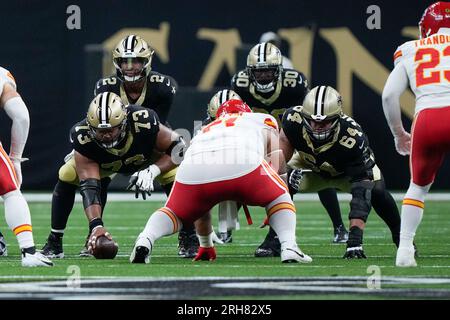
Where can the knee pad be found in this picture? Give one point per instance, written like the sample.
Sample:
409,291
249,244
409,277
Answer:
67,173
360,204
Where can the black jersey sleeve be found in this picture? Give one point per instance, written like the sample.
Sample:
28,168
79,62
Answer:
292,124
362,161
165,91
105,85
81,140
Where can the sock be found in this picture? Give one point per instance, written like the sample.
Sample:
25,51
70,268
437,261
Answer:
282,219
329,200
386,208
161,223
62,204
18,218
206,241
412,211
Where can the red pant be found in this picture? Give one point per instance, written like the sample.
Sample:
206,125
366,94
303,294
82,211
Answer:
257,188
430,142
8,180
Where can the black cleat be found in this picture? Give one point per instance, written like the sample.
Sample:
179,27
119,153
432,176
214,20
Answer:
187,244
340,234
53,249
271,246
140,254
3,248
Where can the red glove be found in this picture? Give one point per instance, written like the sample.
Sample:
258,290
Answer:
205,254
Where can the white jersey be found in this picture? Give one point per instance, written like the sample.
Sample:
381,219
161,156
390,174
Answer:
227,148
6,77
427,64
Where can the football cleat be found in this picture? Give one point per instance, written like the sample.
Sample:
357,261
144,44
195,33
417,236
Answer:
226,237
293,254
53,248
340,234
3,248
270,247
35,259
141,251
188,244
405,257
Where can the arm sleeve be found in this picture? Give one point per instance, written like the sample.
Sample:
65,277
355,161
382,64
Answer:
17,110
396,84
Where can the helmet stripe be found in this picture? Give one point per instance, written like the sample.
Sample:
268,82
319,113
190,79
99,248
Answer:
130,43
104,108
223,97
319,103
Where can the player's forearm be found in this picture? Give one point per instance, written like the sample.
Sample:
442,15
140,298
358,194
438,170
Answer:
165,163
16,110
393,89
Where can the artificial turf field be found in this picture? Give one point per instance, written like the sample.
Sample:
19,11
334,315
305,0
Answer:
333,276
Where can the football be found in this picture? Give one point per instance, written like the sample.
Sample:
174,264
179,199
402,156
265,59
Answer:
105,248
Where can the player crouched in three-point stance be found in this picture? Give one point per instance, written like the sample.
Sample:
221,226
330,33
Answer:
425,65
226,161
17,213
335,148
118,139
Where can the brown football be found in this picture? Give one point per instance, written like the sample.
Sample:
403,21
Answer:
105,248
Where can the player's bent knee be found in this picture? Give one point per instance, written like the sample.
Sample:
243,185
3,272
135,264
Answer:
12,193
360,204
282,202
67,173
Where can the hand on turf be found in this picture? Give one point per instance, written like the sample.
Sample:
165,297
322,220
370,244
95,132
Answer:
354,253
205,254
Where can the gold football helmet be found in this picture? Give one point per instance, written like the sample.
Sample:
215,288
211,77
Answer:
264,66
322,108
219,98
107,119
132,58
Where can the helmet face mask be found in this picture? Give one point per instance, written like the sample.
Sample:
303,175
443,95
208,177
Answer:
107,120
322,108
264,66
218,99
132,58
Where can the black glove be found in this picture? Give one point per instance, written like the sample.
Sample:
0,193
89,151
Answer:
294,179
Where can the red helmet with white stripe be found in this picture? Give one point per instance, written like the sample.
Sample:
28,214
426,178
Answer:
434,17
233,106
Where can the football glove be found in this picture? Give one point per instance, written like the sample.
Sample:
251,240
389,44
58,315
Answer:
354,253
142,181
403,143
205,254
295,178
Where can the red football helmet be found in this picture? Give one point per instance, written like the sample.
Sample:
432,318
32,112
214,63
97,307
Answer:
435,16
233,106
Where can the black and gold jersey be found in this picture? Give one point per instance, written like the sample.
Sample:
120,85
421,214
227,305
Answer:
158,92
345,153
131,154
289,91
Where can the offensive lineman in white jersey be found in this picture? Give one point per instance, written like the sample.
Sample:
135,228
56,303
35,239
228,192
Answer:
424,64
17,213
226,161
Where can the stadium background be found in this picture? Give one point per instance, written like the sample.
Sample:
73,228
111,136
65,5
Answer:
201,44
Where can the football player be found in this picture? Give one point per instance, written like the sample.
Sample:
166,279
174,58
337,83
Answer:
424,64
226,161
136,83
269,88
335,148
17,213
114,139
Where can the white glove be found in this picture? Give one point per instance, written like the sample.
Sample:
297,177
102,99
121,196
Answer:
403,143
142,181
